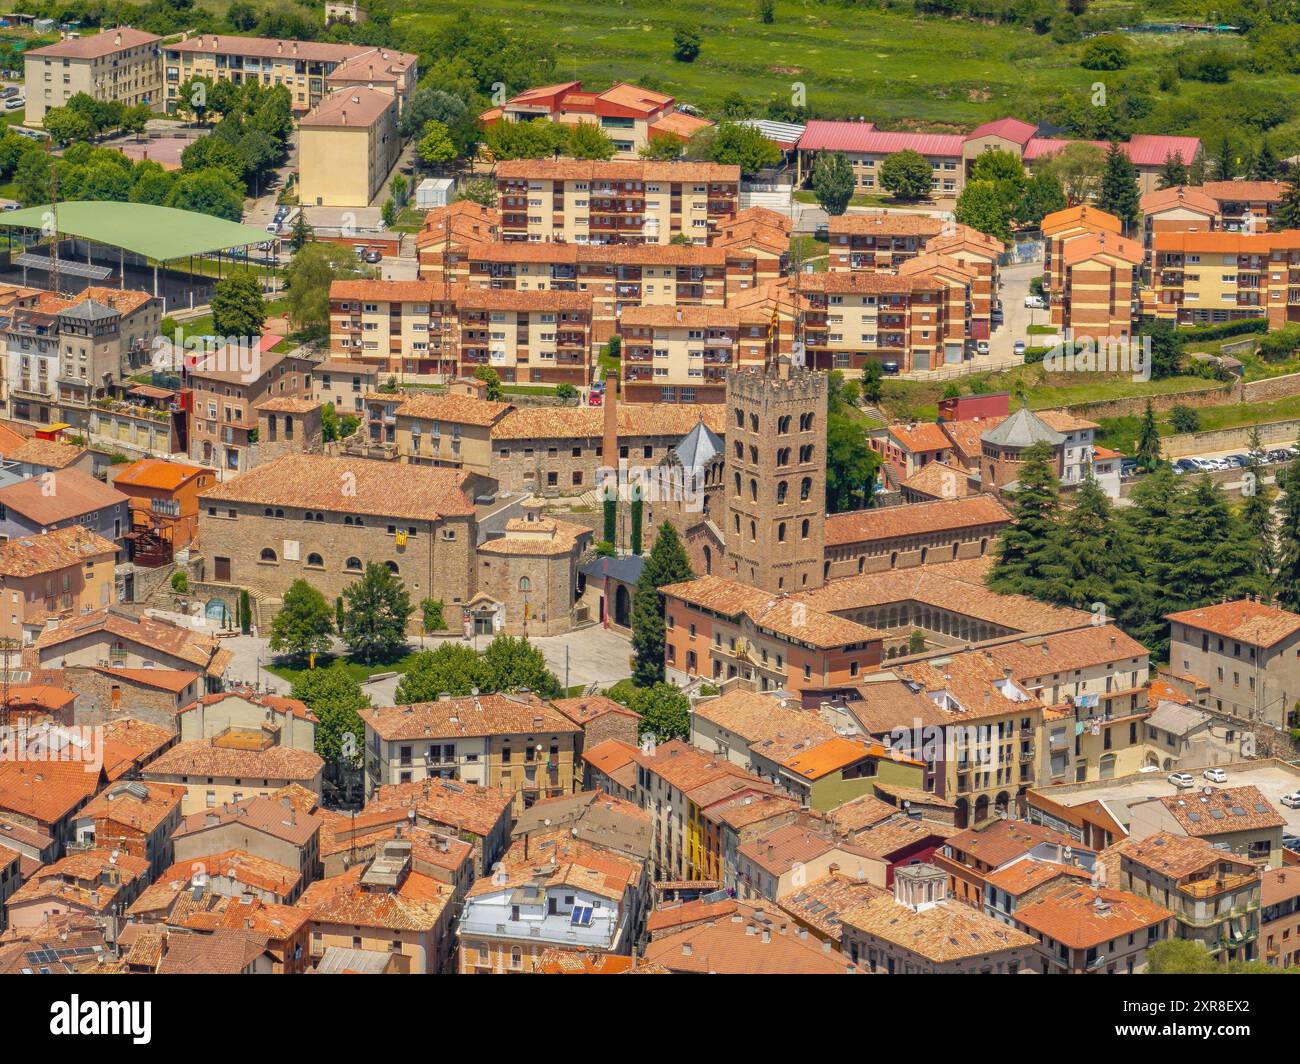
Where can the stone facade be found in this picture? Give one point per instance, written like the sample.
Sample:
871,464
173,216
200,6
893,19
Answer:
436,561
97,702
776,478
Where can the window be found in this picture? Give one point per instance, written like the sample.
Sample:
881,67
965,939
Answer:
392,567
353,565
315,561
525,584
268,555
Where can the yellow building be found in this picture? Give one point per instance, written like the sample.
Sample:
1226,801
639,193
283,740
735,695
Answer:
64,573
117,65
346,147
310,70
691,348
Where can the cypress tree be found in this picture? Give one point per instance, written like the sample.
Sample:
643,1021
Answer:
667,564
1148,441
1027,546
1257,513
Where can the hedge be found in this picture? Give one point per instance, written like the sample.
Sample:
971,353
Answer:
1199,333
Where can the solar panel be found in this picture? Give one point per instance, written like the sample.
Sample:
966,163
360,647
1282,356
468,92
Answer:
581,916
66,266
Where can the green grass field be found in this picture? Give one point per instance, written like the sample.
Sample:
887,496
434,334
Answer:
891,68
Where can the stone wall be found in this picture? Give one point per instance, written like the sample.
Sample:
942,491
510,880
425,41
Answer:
95,700
1134,406
1271,388
1272,433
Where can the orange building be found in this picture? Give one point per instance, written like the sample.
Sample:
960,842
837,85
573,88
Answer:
164,500
718,628
1092,272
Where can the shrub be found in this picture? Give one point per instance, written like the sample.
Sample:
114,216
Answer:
1108,52
180,582
1184,419
565,390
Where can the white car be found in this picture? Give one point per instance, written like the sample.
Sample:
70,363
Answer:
1292,800
1215,775
1182,779
982,347
1035,303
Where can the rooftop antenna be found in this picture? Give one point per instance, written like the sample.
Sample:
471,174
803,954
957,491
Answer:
55,282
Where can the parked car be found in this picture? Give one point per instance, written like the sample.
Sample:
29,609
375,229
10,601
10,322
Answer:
889,368
1182,779
1215,775
1185,465
10,90
1018,348
996,316
1035,303
374,255
273,227
15,102
595,398
1292,800
982,347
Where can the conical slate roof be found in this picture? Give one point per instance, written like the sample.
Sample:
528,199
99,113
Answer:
698,447
1022,429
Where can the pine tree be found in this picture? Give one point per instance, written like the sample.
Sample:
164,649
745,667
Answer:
1096,564
1119,187
1265,166
376,609
1027,546
1288,552
1257,512
1173,173
667,564
1148,441
1286,215
1211,553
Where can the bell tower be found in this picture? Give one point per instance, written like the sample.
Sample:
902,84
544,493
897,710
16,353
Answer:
776,477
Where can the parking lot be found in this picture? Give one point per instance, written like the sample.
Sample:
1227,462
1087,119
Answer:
1225,460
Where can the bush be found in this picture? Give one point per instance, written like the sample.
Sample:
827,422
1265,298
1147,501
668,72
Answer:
566,390
1199,333
1184,419
1279,346
623,692
686,44
1109,52
180,582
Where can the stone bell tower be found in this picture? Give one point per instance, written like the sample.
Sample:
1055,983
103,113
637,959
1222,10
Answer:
775,486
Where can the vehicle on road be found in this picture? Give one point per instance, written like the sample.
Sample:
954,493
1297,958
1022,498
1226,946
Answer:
889,368
374,255
1215,775
273,227
982,348
1292,800
1182,779
1018,348
14,102
1035,303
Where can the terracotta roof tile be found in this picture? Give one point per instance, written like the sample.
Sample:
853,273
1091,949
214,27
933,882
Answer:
1081,916
1244,620
199,757
892,522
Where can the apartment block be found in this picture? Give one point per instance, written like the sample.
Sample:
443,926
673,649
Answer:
394,326
527,337
1092,272
904,323
1202,278
879,240
310,70
613,276
119,65
1245,206
584,202
1180,209
1246,653
683,354
630,115
347,145
516,742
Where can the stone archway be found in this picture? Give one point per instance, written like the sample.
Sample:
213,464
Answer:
981,809
622,607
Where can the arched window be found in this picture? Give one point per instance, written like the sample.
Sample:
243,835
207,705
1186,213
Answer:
783,424
352,565
753,454
740,419
806,453
525,584
268,555
315,561
268,512
753,422
780,492
805,488
753,531
753,490
783,456
803,529
392,567
737,483
279,513
780,532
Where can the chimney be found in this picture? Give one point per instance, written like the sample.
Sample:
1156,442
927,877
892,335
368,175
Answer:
609,445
